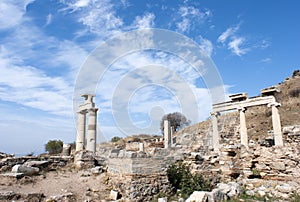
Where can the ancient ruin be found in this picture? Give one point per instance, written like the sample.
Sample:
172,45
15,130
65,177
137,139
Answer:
88,142
238,161
241,102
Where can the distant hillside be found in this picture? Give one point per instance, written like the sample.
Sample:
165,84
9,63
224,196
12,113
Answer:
259,119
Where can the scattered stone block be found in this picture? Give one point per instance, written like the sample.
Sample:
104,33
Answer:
197,196
13,175
8,195
26,170
130,154
97,170
285,188
278,166
114,195
164,199
38,164
114,153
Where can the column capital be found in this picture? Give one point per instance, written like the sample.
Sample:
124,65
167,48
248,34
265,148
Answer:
214,113
93,109
83,111
275,104
240,108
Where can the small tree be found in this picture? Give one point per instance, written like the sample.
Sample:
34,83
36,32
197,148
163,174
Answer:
115,139
54,146
296,73
176,119
180,177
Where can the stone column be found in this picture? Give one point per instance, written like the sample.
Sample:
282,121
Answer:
66,150
167,134
172,132
243,127
80,139
141,147
92,130
276,124
215,136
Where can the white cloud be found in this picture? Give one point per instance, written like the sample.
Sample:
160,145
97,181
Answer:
75,5
98,16
235,43
206,45
48,19
235,46
10,14
144,81
230,32
31,87
264,44
266,60
146,21
189,14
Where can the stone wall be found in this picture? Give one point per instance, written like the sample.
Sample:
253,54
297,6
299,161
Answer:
139,176
6,163
271,171
139,188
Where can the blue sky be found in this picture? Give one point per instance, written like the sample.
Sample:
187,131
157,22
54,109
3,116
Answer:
44,45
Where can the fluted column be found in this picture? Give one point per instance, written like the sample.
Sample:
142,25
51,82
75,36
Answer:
243,127
80,139
276,124
215,136
92,130
167,134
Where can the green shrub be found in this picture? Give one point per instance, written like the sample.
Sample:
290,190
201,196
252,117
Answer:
54,146
255,172
115,139
294,93
295,197
182,179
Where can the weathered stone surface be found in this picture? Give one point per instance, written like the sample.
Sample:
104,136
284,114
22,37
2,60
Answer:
69,196
26,170
38,164
197,196
66,151
285,188
114,195
278,166
13,175
97,170
8,195
164,199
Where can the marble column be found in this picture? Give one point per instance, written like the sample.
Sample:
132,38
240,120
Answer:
141,147
276,124
167,134
92,130
81,130
215,136
172,132
243,127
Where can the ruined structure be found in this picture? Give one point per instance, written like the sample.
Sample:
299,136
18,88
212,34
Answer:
88,142
167,134
241,102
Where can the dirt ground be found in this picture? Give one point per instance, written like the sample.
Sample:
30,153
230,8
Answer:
84,185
